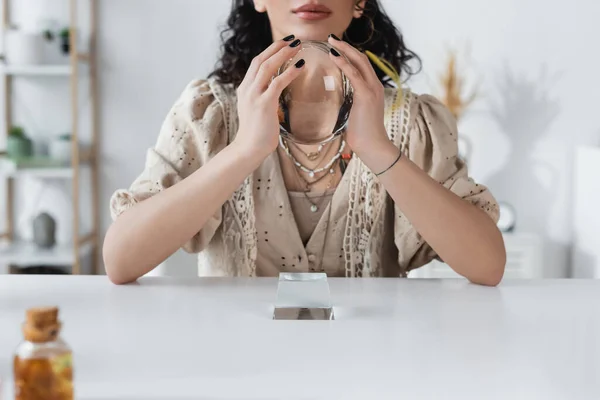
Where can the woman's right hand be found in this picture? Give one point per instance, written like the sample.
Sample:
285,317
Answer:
258,97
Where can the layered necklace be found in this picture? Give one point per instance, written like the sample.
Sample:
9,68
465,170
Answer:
312,155
330,168
317,201
312,172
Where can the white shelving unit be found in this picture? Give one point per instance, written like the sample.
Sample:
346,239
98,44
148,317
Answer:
14,252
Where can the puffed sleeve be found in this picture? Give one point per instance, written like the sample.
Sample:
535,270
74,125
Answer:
433,146
192,133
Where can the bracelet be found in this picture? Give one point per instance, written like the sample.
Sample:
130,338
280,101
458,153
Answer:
391,166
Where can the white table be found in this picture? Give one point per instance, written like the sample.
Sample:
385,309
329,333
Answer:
393,339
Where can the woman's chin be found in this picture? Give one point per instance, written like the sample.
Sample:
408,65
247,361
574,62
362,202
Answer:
313,34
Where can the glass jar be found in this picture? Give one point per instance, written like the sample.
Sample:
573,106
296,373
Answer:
43,361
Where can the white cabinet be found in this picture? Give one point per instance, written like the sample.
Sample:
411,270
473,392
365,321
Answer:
523,260
586,218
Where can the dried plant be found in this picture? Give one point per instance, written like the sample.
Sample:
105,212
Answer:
453,82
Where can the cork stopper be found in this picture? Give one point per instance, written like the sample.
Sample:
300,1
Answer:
41,324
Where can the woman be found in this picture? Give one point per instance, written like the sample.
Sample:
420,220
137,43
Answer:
220,182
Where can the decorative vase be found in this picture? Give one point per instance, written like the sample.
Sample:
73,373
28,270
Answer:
19,147
60,149
44,231
24,48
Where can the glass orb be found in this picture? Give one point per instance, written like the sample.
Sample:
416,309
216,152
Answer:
315,107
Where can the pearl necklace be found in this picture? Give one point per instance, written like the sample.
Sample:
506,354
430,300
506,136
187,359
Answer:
312,172
314,207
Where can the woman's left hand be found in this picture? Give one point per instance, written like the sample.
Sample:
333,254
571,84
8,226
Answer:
366,122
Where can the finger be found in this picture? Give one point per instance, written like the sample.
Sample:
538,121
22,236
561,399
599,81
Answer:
356,78
282,81
266,54
270,66
360,60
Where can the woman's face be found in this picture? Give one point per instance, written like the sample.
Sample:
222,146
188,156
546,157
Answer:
309,19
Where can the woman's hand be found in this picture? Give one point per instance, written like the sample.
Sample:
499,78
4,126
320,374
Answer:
258,97
366,122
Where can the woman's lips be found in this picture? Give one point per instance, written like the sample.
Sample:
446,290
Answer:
312,15
312,12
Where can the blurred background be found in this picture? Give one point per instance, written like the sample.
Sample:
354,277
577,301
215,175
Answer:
86,86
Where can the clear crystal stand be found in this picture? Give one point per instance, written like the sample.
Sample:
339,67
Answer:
303,297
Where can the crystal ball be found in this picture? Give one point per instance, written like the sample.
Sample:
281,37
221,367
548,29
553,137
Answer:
315,107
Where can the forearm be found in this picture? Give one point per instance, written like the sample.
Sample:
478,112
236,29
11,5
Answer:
152,230
461,234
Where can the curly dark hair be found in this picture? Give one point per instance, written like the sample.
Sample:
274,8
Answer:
248,33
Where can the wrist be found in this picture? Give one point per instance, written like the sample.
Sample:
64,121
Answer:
249,159
251,152
364,145
379,155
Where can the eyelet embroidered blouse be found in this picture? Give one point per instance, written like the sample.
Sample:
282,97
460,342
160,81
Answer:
361,233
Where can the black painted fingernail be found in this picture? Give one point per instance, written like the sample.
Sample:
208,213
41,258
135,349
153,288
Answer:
289,38
295,43
334,52
335,37
300,63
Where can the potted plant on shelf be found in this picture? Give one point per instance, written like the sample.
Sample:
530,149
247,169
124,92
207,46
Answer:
18,145
65,41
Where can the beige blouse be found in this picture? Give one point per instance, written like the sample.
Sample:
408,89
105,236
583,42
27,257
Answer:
306,219
360,233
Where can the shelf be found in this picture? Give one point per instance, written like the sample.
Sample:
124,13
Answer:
37,70
46,173
9,169
25,254
41,173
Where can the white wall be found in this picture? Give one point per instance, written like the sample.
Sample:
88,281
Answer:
147,58
540,87
524,128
